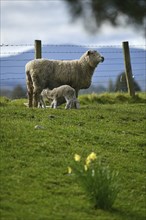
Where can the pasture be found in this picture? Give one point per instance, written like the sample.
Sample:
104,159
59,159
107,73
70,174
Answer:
34,183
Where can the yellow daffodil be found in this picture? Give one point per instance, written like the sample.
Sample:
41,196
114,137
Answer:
85,167
88,161
69,170
91,157
77,157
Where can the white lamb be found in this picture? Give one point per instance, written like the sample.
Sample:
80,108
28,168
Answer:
65,91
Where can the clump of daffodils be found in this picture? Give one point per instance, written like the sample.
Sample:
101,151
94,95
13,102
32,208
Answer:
98,181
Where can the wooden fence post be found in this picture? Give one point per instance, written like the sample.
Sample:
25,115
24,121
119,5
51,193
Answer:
128,69
38,49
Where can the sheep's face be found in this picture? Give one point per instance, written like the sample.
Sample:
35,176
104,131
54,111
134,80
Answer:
94,58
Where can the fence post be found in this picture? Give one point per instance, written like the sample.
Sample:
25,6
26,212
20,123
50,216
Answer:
38,49
128,69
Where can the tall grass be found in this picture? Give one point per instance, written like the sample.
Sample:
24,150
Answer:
112,98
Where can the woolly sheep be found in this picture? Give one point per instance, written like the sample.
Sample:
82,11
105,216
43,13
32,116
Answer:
65,91
43,73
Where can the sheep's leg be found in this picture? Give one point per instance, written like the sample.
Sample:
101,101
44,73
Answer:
30,98
74,104
30,94
29,84
35,100
36,96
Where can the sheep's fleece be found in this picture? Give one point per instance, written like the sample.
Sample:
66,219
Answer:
43,73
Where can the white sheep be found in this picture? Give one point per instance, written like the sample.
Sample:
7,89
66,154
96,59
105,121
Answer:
43,73
65,91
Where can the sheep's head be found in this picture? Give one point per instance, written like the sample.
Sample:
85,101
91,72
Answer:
94,58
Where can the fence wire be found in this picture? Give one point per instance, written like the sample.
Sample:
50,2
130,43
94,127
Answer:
14,58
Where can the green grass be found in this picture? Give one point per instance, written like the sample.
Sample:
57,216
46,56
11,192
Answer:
34,180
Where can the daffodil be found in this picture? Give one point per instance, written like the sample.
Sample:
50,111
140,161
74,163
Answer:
88,161
85,167
77,157
91,157
69,170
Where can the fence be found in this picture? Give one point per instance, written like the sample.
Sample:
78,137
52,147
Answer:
14,58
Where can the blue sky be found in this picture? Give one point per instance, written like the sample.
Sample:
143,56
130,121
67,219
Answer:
23,21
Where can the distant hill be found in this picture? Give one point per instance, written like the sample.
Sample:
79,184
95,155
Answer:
13,67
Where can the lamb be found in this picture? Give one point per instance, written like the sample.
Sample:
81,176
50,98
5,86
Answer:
43,73
65,91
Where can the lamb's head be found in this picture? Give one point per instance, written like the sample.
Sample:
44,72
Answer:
93,58
46,92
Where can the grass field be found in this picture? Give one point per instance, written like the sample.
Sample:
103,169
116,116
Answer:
34,181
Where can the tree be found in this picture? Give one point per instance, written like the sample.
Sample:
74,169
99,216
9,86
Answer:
116,12
111,86
93,89
121,84
18,92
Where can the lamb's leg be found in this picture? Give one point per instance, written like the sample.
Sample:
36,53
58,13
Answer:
41,102
54,104
68,103
77,104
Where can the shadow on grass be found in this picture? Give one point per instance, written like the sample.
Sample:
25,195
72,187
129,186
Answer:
127,215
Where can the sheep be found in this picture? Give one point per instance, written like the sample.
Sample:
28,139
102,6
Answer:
44,73
65,91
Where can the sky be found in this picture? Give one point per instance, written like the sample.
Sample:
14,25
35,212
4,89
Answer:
23,21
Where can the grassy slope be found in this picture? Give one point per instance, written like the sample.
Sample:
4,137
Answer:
34,180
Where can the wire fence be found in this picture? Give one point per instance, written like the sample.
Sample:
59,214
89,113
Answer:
14,58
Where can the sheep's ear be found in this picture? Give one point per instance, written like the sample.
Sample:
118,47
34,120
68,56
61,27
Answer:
89,52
